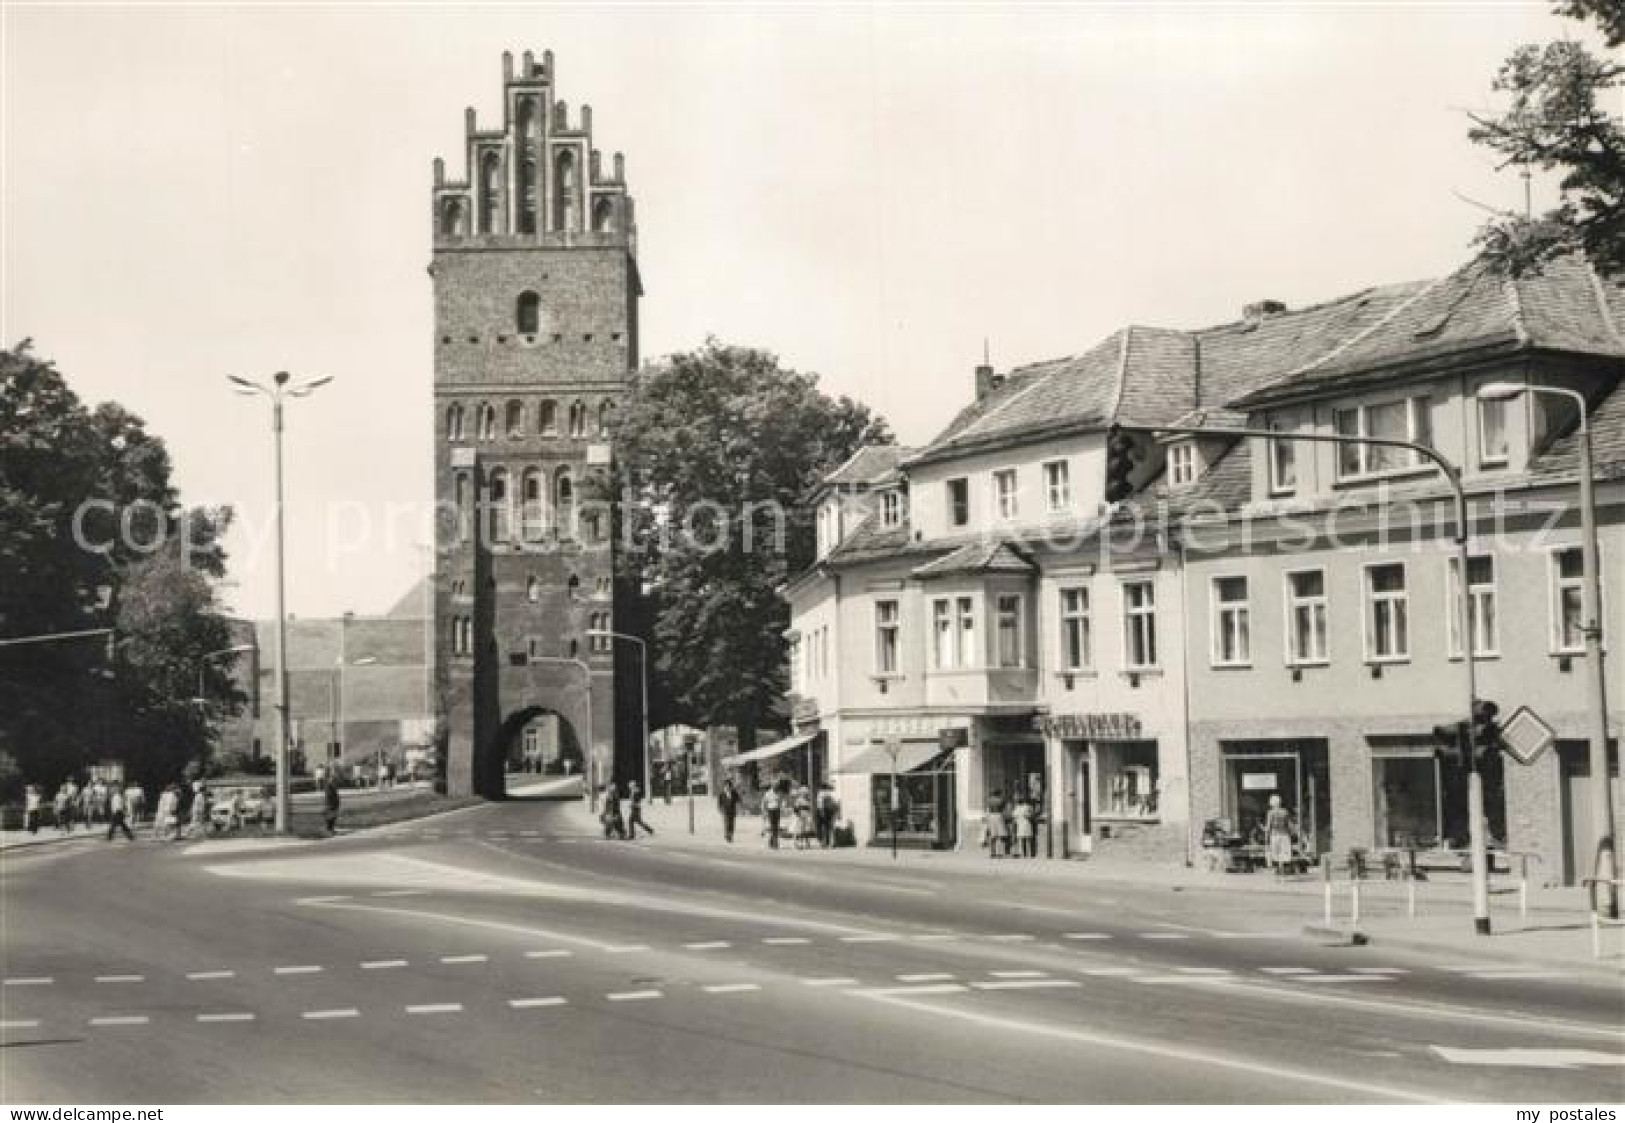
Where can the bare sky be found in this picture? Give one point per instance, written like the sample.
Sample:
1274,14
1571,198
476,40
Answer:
191,192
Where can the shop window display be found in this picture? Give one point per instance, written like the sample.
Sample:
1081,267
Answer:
1126,779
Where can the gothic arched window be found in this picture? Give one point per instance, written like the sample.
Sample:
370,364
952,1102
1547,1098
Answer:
452,217
578,419
603,215
533,512
498,500
516,420
488,422
564,502
490,191
547,422
606,417
454,422
565,190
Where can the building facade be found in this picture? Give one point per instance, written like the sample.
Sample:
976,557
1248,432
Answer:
1252,618
536,290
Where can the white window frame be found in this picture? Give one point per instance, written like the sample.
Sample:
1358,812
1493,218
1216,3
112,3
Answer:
1397,604
1222,609
1555,584
1277,447
1057,487
891,509
1006,504
1083,619
965,632
1418,430
888,636
962,485
1133,613
1477,594
1181,464
944,642
999,618
1290,632
1486,458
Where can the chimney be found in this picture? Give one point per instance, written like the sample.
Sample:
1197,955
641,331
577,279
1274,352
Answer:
1261,309
986,380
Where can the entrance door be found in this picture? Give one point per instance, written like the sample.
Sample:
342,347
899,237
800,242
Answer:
1579,833
1252,780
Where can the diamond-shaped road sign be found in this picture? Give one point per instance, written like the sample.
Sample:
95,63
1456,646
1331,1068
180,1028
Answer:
1526,736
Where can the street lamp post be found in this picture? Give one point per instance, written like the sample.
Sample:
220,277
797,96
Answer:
278,392
1452,474
643,673
1602,809
592,752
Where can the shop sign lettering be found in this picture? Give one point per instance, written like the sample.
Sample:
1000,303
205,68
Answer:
1091,727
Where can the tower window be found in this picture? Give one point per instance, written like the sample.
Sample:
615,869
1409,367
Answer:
488,422
548,418
603,215
452,218
564,190
533,590
527,196
578,419
454,422
534,514
606,417
564,501
498,499
490,191
528,314
516,420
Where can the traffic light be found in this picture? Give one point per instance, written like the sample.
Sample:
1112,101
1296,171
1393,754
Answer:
1486,733
1450,741
1119,465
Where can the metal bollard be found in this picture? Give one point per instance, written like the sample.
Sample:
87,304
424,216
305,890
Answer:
1523,887
1326,876
1410,897
1354,903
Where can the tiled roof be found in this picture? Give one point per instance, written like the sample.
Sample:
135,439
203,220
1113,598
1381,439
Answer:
1561,459
869,539
985,556
871,464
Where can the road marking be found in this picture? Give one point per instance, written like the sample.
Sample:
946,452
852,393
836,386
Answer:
1111,972
297,970
530,1003
1287,970
933,988
1019,974
382,964
464,959
1379,970
731,988
27,1023
201,976
121,978
1010,937
1343,979
624,949
633,995
36,981
1087,935
437,1008
1156,1049
121,1020
1165,935
1028,984
872,938
1177,980
1529,1058
225,1017
548,953
926,977
785,940
322,900
1203,970
831,981
1470,967
708,945
324,1015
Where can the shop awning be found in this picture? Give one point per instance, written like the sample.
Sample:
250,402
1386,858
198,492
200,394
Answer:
767,752
878,759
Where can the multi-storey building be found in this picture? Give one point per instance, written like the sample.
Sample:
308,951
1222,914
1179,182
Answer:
1252,621
536,289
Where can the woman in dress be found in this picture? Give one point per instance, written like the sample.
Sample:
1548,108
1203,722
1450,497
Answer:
1277,836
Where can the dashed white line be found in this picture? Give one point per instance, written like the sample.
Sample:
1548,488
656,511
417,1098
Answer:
1087,935
20,1023
204,976
1343,979
326,1015
925,977
382,964
1176,980
322,900
833,981
464,959
436,1008
1110,972
875,938
1011,937
708,945
1203,970
1379,970
232,1017
1288,970
36,981
121,1020
1515,973
529,1003
633,995
121,978
1019,974
1165,935
785,940
731,988
1027,984
300,970
547,953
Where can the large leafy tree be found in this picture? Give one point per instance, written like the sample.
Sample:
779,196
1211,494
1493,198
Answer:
92,536
718,449
1561,114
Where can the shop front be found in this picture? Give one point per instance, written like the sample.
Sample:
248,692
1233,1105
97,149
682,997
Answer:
1112,778
911,793
1298,771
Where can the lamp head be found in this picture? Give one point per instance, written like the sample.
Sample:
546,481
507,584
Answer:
1500,391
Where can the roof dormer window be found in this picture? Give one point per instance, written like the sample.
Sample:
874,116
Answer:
891,509
1181,464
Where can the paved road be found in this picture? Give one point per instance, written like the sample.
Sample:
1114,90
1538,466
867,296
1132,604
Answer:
506,954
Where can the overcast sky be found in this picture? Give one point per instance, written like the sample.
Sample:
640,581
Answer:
192,192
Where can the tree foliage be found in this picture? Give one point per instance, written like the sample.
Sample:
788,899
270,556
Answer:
1561,115
717,451
92,536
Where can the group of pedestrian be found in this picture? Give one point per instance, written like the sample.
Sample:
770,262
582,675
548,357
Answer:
812,816
1010,826
622,820
95,804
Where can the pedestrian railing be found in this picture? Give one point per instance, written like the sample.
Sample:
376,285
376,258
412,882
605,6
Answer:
1403,869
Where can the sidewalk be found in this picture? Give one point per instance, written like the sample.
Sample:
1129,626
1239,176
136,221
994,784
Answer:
1554,932
22,840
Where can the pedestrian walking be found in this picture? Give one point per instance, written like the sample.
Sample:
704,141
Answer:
828,811
1026,834
330,805
198,824
995,833
135,803
33,804
166,817
65,804
116,811
635,819
772,808
614,825
728,804
1277,836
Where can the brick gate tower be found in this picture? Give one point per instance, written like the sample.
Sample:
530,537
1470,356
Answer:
536,293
